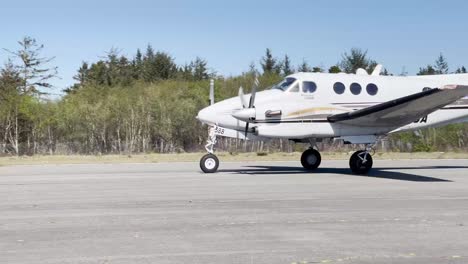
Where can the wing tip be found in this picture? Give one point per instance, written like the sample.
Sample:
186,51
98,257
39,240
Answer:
450,87
454,86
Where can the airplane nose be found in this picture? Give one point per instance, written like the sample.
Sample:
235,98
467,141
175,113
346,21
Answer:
207,115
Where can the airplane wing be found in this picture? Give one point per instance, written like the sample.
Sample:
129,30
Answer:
404,110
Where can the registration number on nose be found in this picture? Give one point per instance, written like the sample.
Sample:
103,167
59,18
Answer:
219,130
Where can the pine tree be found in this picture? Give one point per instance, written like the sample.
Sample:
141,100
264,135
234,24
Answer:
441,65
82,76
334,69
461,70
317,69
164,66
200,70
32,67
286,66
304,67
269,64
252,68
357,58
428,70
138,65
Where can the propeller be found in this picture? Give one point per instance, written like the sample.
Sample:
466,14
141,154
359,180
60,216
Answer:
248,112
242,97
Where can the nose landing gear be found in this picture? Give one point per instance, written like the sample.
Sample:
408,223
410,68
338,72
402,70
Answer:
209,163
361,161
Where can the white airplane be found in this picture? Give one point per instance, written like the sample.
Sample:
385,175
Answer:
357,108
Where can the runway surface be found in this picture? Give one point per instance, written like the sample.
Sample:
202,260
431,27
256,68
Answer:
260,212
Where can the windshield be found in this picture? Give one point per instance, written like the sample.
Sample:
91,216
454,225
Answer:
284,85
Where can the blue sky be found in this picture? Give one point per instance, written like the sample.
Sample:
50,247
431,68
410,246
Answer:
232,34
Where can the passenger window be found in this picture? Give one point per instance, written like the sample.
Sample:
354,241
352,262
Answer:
295,88
339,88
355,88
372,89
309,87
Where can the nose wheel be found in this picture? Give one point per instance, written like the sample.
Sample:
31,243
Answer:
361,162
311,159
209,163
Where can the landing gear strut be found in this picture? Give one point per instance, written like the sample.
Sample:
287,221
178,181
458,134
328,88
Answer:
361,161
210,163
311,159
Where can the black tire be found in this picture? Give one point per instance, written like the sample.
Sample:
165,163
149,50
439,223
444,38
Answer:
209,163
311,159
356,164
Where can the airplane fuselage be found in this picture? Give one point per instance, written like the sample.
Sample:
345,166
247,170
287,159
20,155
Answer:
300,109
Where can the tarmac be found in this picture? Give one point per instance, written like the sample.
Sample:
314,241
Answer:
404,211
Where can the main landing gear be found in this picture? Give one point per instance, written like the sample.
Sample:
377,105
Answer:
310,159
210,163
360,162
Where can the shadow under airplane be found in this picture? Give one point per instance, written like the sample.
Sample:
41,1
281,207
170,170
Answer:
374,173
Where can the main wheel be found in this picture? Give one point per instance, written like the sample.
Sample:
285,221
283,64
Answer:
311,159
209,163
358,165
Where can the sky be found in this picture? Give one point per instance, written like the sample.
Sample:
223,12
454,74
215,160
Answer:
230,35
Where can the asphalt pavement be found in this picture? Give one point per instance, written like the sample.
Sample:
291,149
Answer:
405,211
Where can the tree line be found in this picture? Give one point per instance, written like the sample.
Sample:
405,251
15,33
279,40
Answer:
148,103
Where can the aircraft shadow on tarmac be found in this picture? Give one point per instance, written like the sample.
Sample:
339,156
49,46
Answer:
374,173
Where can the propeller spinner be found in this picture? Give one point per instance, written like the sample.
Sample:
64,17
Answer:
248,113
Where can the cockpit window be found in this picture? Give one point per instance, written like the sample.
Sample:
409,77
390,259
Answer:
295,88
309,87
284,85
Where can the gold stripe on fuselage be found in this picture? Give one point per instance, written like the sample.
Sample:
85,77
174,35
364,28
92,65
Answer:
313,111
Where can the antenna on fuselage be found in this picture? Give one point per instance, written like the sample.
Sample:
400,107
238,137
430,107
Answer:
212,92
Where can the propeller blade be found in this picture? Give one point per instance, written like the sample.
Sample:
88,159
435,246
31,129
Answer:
211,92
254,91
246,129
242,97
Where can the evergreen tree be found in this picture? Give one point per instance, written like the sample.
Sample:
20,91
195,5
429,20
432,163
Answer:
269,64
428,70
10,81
441,65
138,57
82,77
334,69
385,72
164,66
200,70
33,68
138,65
317,69
148,70
286,66
461,70
252,68
304,67
356,59
82,74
